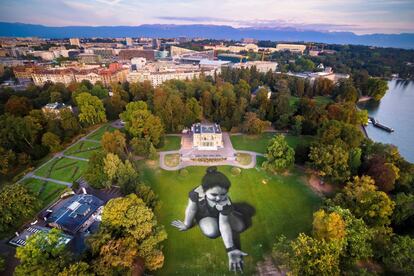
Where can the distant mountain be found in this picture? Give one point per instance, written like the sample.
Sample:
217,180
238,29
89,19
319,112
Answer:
404,40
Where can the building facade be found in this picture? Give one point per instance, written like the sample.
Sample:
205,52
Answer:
207,136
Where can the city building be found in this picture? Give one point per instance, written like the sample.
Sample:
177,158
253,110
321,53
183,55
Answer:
326,73
129,41
114,74
234,58
75,42
65,76
128,54
233,48
24,73
207,136
294,48
261,66
91,75
21,238
89,58
158,73
76,213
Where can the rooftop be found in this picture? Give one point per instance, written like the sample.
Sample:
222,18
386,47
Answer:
206,128
72,213
21,239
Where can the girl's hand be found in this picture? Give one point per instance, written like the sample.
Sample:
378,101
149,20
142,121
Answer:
180,225
236,260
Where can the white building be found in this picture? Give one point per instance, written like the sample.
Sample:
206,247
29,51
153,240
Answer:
55,108
207,136
294,48
261,66
159,72
74,41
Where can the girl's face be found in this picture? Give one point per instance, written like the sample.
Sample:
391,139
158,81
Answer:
216,194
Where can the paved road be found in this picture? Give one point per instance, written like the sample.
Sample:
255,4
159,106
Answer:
51,180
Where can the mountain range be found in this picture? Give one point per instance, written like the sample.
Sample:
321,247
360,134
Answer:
403,40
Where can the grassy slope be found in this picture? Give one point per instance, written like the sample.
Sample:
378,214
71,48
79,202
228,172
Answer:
283,206
48,194
258,143
99,133
65,173
171,143
83,148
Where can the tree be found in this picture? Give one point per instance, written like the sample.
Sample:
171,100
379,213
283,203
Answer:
297,125
91,109
140,146
328,226
51,141
95,174
279,155
18,106
127,177
69,123
363,199
2,263
111,166
43,254
114,142
129,231
400,255
262,102
314,257
8,160
376,88
253,125
358,238
331,161
17,204
345,91
403,208
147,195
333,131
192,111
385,174
77,269
99,91
139,122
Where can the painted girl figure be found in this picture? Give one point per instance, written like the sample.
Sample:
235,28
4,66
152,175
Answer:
210,206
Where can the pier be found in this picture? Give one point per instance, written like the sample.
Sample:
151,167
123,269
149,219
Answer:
379,125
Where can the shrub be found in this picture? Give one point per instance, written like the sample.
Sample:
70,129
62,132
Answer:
183,172
235,171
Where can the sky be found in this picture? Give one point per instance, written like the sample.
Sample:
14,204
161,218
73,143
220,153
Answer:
358,16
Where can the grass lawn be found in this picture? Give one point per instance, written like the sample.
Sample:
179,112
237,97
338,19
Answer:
258,143
46,191
83,149
282,206
97,135
171,143
63,169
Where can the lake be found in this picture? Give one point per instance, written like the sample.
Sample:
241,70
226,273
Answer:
395,110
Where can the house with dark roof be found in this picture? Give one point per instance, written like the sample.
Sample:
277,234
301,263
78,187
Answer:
76,213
